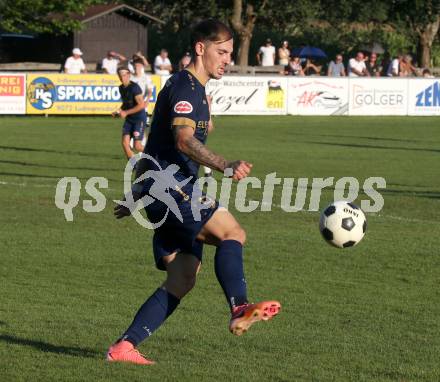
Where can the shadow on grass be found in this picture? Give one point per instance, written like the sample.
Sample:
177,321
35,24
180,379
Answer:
413,193
365,137
31,149
30,175
52,176
354,145
46,347
27,164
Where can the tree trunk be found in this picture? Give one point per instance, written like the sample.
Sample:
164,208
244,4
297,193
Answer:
426,38
243,29
424,52
243,50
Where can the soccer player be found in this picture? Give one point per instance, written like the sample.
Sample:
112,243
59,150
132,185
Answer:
133,110
178,132
207,171
144,81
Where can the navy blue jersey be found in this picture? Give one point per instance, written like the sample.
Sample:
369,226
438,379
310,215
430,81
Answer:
128,96
182,101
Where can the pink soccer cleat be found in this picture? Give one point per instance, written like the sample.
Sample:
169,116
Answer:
244,316
124,351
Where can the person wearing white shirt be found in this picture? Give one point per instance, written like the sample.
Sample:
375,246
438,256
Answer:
162,64
266,54
75,64
357,67
144,81
111,62
394,67
138,56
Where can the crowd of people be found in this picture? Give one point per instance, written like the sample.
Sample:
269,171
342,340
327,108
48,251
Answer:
109,65
363,64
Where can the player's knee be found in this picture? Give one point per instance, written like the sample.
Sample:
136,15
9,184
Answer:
125,144
188,282
237,233
181,282
241,233
181,286
138,146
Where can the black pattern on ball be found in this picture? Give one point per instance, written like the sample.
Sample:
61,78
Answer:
328,235
349,244
348,223
354,206
329,211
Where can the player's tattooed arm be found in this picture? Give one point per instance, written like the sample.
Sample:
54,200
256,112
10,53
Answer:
197,151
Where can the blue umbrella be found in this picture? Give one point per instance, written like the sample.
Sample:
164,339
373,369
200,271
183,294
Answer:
308,52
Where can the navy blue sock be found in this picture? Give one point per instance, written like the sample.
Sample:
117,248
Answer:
150,316
229,272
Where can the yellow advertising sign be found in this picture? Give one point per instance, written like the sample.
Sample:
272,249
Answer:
77,93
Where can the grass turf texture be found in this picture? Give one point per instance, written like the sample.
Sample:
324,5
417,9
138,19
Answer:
369,313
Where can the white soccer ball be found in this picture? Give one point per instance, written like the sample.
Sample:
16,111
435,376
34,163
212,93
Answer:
342,224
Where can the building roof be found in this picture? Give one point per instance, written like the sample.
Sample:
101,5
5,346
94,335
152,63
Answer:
96,11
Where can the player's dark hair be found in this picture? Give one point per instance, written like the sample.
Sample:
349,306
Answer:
138,61
210,30
122,68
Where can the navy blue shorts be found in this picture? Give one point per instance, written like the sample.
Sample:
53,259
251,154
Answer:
175,235
135,129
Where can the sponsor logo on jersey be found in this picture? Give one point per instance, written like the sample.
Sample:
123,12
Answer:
183,107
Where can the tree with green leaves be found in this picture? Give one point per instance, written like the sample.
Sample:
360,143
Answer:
178,18
419,19
243,24
40,16
284,16
244,16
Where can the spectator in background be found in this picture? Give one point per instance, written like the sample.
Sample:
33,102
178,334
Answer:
394,66
111,61
284,54
138,56
427,73
357,67
266,54
311,69
294,68
132,111
407,69
143,80
336,68
184,61
162,64
75,64
373,68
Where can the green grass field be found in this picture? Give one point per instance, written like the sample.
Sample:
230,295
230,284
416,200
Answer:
369,313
